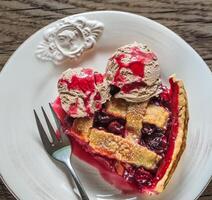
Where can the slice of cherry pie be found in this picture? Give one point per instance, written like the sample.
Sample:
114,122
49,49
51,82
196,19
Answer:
141,142
135,145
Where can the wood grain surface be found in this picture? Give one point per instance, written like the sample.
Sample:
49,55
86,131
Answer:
191,19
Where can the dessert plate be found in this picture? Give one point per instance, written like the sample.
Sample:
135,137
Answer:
27,82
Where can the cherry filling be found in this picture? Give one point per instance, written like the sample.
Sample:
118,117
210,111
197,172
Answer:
138,176
110,123
160,141
154,139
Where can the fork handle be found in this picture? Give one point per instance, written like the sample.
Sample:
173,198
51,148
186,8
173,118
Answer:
80,188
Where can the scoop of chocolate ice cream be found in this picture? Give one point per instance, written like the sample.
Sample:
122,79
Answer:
82,91
135,71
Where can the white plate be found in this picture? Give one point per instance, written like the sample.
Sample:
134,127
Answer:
27,83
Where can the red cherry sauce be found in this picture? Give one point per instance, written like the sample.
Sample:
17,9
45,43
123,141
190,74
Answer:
85,82
131,86
137,61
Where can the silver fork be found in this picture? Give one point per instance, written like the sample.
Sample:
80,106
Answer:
59,149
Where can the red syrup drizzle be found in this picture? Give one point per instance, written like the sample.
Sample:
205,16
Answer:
85,82
131,86
137,62
106,166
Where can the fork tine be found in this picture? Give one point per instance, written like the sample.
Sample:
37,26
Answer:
42,133
63,136
57,121
51,129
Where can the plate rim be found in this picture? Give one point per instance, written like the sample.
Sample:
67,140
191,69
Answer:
180,39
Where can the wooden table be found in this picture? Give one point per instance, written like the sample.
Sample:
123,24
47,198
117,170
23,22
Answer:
191,19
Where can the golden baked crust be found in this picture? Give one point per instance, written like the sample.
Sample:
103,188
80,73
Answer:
180,142
134,118
81,128
117,108
114,146
156,115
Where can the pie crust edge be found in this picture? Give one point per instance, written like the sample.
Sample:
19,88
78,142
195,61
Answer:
180,142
